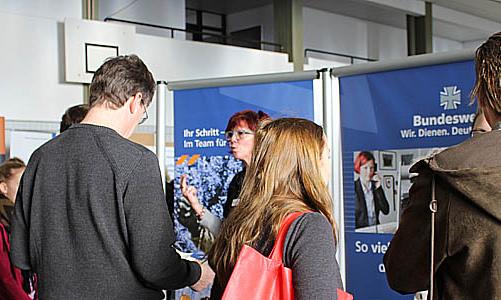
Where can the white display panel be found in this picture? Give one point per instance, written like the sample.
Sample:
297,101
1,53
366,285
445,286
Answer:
24,143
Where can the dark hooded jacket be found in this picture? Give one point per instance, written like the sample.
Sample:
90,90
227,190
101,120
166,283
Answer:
468,224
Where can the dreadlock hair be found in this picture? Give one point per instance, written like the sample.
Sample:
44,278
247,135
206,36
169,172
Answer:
487,87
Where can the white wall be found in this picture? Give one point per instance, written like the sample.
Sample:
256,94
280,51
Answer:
386,42
331,32
47,9
168,59
32,38
442,45
170,13
313,63
32,86
174,60
160,12
347,35
32,83
472,44
334,33
261,16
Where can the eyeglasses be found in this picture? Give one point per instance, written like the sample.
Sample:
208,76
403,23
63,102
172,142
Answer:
237,133
145,115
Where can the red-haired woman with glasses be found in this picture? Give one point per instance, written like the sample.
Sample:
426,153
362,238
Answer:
240,137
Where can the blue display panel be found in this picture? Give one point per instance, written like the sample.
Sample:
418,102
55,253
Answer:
399,117
201,116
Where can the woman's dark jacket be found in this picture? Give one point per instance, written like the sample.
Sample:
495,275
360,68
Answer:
380,204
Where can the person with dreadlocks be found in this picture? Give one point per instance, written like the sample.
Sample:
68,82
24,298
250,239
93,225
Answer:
464,181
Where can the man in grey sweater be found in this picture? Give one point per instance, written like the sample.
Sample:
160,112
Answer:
91,219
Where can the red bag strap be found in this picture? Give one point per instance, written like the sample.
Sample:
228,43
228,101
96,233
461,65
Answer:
278,248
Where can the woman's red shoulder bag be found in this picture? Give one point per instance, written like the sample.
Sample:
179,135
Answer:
258,277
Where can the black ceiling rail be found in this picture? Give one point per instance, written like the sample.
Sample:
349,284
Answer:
174,29
351,57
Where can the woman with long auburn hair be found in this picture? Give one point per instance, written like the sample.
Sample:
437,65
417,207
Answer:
288,173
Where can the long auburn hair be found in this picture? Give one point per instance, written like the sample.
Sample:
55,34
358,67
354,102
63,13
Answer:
283,177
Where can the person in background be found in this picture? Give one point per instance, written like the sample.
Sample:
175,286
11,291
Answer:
73,115
467,228
10,175
239,134
169,197
90,217
12,284
281,180
370,198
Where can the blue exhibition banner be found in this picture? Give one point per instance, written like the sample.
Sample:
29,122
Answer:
200,149
393,118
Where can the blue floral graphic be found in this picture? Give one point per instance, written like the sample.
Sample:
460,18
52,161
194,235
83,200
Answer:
211,176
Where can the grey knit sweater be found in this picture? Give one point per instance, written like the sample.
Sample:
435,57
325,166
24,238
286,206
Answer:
92,222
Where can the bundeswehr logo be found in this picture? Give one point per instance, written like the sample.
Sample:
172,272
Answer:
450,97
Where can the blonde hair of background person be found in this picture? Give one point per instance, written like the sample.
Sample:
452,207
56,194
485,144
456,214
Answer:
280,180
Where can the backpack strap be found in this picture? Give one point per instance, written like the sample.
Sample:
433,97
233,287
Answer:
433,209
